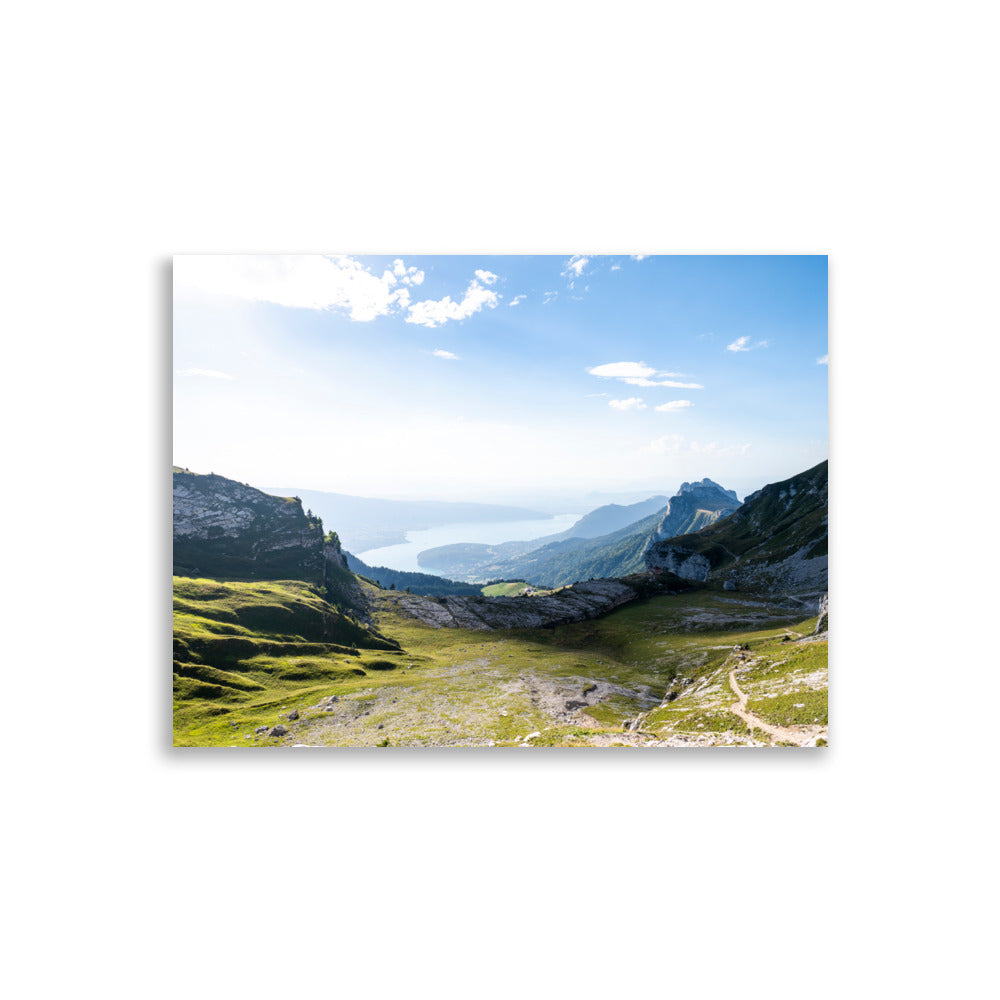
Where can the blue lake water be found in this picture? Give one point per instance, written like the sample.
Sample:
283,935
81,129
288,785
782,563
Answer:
404,555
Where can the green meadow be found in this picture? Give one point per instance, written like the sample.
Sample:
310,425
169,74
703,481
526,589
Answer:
655,672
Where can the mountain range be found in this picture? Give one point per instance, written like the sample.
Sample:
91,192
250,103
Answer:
774,541
608,542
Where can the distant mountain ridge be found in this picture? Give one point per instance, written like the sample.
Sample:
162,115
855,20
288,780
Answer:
569,559
367,523
613,516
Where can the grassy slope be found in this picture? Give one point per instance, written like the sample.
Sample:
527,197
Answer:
240,648
454,687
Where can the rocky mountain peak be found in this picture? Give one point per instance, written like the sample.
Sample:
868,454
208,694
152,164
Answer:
709,487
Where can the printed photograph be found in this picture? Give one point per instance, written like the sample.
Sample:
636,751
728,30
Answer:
500,501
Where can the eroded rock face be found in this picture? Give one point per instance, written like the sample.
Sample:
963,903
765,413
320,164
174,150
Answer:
572,604
681,562
223,528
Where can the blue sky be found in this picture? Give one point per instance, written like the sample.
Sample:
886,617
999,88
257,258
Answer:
507,377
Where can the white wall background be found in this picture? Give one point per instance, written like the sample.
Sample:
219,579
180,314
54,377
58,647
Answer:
136,131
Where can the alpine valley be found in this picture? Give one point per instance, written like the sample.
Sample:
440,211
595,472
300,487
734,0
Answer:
685,620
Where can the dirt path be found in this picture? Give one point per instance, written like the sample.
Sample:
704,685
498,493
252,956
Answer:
797,736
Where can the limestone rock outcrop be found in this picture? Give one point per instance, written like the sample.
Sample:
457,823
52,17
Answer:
775,543
226,529
571,604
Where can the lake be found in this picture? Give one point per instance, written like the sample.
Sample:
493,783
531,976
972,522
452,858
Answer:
404,555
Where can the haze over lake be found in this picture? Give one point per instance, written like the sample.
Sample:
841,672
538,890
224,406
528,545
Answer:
404,555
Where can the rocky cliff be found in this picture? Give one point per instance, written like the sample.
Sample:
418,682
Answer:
228,530
775,542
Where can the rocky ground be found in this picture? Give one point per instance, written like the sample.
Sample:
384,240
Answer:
571,604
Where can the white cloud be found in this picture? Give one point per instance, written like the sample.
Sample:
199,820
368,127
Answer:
433,313
639,256
638,372
595,395
647,383
574,266
486,277
550,297
408,275
305,281
517,300
825,360
743,344
206,372
445,354
616,267
627,404
673,406
623,369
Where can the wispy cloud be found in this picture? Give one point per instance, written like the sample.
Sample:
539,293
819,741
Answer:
743,344
517,300
673,406
549,297
204,372
486,277
595,395
627,404
616,267
433,313
825,360
647,383
638,372
623,369
639,256
445,354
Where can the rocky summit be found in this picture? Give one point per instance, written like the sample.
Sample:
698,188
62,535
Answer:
776,542
696,506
